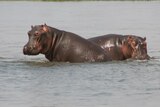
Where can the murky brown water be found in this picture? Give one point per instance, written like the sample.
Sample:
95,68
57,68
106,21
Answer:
34,82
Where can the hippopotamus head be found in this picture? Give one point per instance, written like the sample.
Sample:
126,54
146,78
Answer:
38,40
139,47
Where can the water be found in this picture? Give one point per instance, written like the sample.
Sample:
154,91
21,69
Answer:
27,81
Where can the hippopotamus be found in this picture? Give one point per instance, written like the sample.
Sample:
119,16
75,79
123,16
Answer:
122,47
62,46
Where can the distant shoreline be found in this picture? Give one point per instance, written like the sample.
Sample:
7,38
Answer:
77,0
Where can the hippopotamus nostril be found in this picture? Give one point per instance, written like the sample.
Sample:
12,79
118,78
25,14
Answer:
25,48
30,48
34,47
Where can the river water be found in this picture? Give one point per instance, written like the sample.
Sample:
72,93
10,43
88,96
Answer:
32,81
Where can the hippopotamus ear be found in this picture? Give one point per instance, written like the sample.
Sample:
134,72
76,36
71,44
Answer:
31,26
144,38
45,28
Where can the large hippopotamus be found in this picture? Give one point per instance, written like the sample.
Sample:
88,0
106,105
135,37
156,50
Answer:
122,47
62,46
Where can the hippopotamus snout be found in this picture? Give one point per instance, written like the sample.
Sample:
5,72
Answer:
30,50
27,49
142,57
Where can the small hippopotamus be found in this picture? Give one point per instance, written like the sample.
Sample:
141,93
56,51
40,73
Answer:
62,46
122,47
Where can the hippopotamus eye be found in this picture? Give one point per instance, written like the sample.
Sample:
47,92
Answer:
36,33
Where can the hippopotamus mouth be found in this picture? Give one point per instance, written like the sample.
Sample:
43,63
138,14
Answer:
31,50
140,54
141,57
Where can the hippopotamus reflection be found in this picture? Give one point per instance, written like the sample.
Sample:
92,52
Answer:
122,47
62,46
